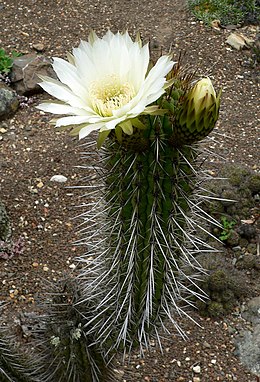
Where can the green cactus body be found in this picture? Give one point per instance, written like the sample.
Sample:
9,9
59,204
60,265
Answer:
66,352
14,367
145,239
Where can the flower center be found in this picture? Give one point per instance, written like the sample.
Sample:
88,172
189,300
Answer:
110,94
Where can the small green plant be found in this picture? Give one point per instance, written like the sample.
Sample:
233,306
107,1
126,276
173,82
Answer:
227,11
6,62
227,228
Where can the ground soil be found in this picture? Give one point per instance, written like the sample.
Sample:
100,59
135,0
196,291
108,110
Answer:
32,152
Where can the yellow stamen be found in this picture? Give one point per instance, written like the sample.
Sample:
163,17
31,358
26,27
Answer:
110,94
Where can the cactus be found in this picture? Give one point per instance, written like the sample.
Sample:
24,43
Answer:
14,367
62,350
141,237
66,353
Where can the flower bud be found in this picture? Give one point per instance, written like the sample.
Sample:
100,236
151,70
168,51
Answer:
198,113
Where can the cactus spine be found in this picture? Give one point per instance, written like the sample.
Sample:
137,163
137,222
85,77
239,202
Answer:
66,352
145,242
14,367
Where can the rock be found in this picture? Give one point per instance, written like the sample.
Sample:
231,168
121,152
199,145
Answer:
239,41
25,71
9,102
58,178
252,312
215,24
5,227
248,349
38,47
206,345
196,369
231,27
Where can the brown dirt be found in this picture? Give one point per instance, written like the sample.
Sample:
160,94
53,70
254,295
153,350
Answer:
32,152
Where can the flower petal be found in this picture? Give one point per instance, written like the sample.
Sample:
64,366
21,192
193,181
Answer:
85,131
60,108
74,120
61,92
67,73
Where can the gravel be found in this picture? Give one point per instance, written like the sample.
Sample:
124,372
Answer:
32,153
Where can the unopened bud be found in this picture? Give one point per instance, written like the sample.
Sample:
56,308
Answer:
198,113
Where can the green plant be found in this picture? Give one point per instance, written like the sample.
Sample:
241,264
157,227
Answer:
65,351
227,228
14,365
6,61
141,237
227,11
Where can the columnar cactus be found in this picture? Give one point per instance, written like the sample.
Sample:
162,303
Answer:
139,232
141,237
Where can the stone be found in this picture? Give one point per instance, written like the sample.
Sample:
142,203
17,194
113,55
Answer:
248,349
59,178
239,41
9,102
26,70
252,311
5,226
38,47
196,369
215,24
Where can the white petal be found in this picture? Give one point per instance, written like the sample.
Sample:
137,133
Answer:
88,129
68,75
154,82
56,108
139,65
61,92
74,120
84,63
110,125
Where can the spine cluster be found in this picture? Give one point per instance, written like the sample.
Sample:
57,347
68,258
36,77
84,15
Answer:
144,241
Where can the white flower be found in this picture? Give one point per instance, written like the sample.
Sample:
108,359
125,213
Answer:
105,83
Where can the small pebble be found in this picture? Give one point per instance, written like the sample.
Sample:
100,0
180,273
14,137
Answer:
38,47
196,369
206,345
59,178
40,184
